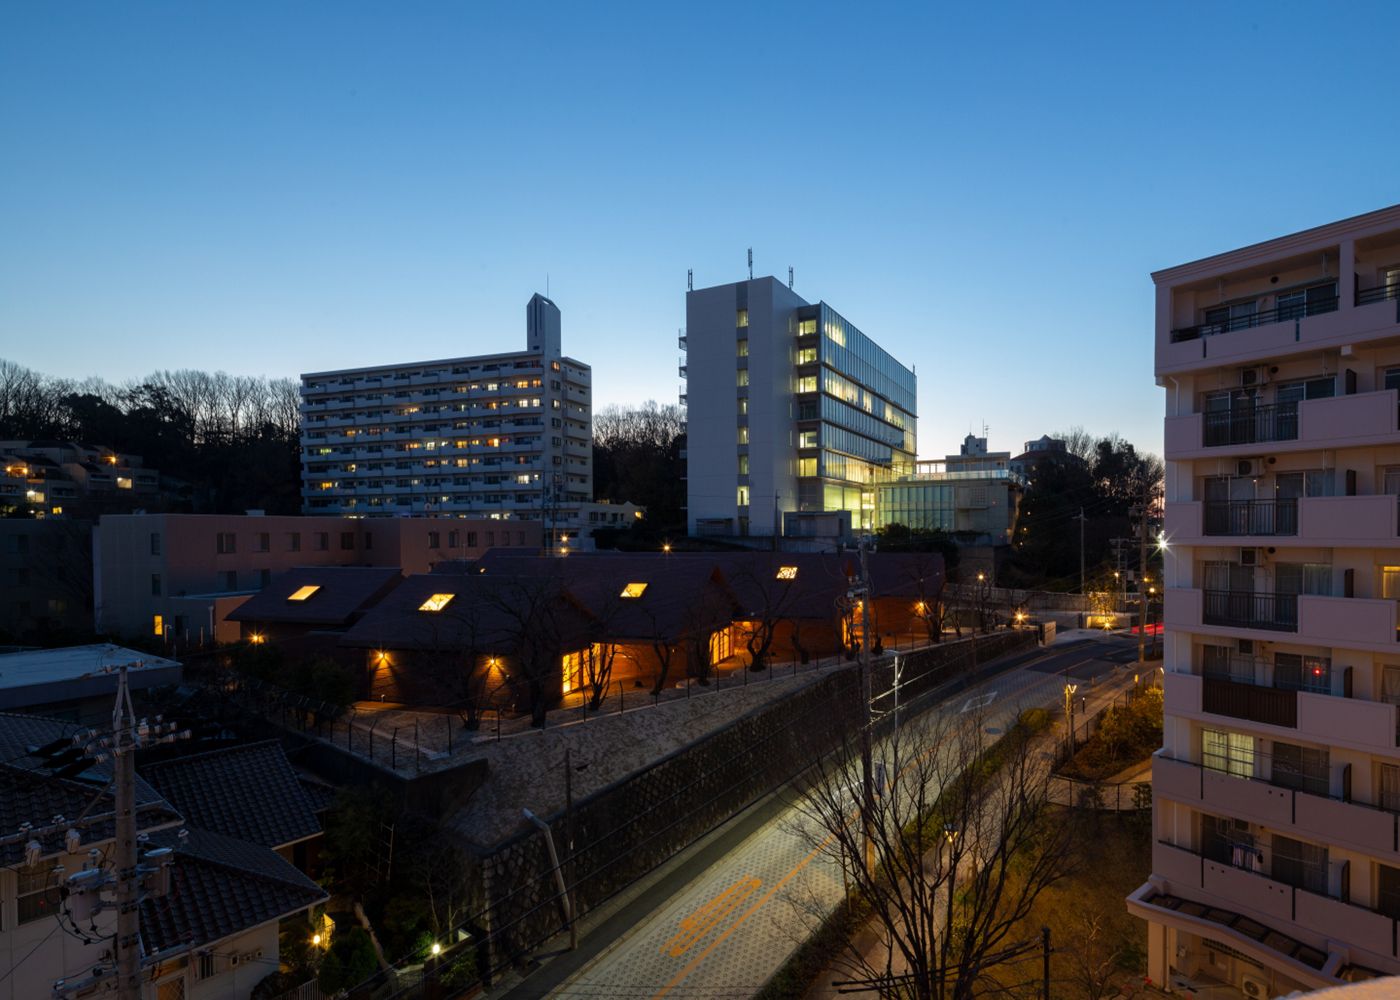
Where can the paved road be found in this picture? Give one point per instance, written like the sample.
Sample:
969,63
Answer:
723,923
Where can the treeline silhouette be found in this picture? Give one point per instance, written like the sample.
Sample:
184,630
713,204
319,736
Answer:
227,443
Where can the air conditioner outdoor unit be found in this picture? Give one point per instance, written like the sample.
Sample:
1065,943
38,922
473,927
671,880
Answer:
1254,988
1249,557
1245,646
1252,376
1246,467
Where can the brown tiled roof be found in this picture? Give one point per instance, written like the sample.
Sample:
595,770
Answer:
487,612
345,592
221,886
250,792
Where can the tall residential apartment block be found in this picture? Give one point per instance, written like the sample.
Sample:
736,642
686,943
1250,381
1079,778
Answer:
502,436
1276,794
792,413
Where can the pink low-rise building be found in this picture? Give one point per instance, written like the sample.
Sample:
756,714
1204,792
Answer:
1276,794
180,575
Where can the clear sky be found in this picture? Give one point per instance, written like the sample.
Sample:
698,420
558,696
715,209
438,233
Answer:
271,188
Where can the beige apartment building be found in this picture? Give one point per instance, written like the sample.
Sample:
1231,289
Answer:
1276,794
180,575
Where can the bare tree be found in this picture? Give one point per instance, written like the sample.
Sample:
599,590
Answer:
950,860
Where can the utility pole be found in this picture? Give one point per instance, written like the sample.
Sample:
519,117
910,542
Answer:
867,766
569,845
1045,950
128,940
1142,572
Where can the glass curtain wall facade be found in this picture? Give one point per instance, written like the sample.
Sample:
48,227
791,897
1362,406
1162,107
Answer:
856,422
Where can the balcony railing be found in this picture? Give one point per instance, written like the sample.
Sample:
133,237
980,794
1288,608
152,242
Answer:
1251,517
1241,609
1278,314
1252,424
1380,293
1269,706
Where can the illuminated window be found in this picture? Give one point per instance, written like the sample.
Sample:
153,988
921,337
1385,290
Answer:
808,383
807,355
158,625
806,466
634,590
743,435
437,602
302,593
742,378
743,497
742,318
787,572
123,483
743,348
806,326
743,405
743,465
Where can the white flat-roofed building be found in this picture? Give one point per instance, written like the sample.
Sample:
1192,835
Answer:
505,436
793,414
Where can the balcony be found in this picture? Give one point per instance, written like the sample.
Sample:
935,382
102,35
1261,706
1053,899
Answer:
680,342
1251,517
1239,609
1352,824
1381,293
1279,314
1239,700
1294,911
1251,425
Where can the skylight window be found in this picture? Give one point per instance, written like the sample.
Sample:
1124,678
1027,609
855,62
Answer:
437,602
787,572
302,593
634,590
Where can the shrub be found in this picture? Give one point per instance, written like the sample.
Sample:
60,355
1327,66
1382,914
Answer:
349,962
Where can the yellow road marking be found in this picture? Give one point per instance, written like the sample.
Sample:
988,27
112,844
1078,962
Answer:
705,919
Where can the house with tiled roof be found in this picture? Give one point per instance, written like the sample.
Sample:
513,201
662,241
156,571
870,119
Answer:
249,792
214,934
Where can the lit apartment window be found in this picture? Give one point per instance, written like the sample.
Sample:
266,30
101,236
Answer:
743,435
436,602
742,378
807,383
743,349
806,326
743,498
741,318
743,405
634,590
226,543
743,465
787,572
807,466
123,482
158,625
807,439
302,593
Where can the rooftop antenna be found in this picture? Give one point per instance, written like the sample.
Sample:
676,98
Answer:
751,263
690,279
789,277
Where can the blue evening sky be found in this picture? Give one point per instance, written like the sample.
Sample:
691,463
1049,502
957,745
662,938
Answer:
271,188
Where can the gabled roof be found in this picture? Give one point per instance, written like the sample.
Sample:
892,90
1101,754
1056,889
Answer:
489,613
221,886
29,793
680,590
250,792
342,593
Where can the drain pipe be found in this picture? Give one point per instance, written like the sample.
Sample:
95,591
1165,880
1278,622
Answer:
558,876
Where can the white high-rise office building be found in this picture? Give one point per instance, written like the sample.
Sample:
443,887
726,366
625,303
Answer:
793,414
498,435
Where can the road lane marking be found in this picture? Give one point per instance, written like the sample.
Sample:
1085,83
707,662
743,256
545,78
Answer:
695,927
